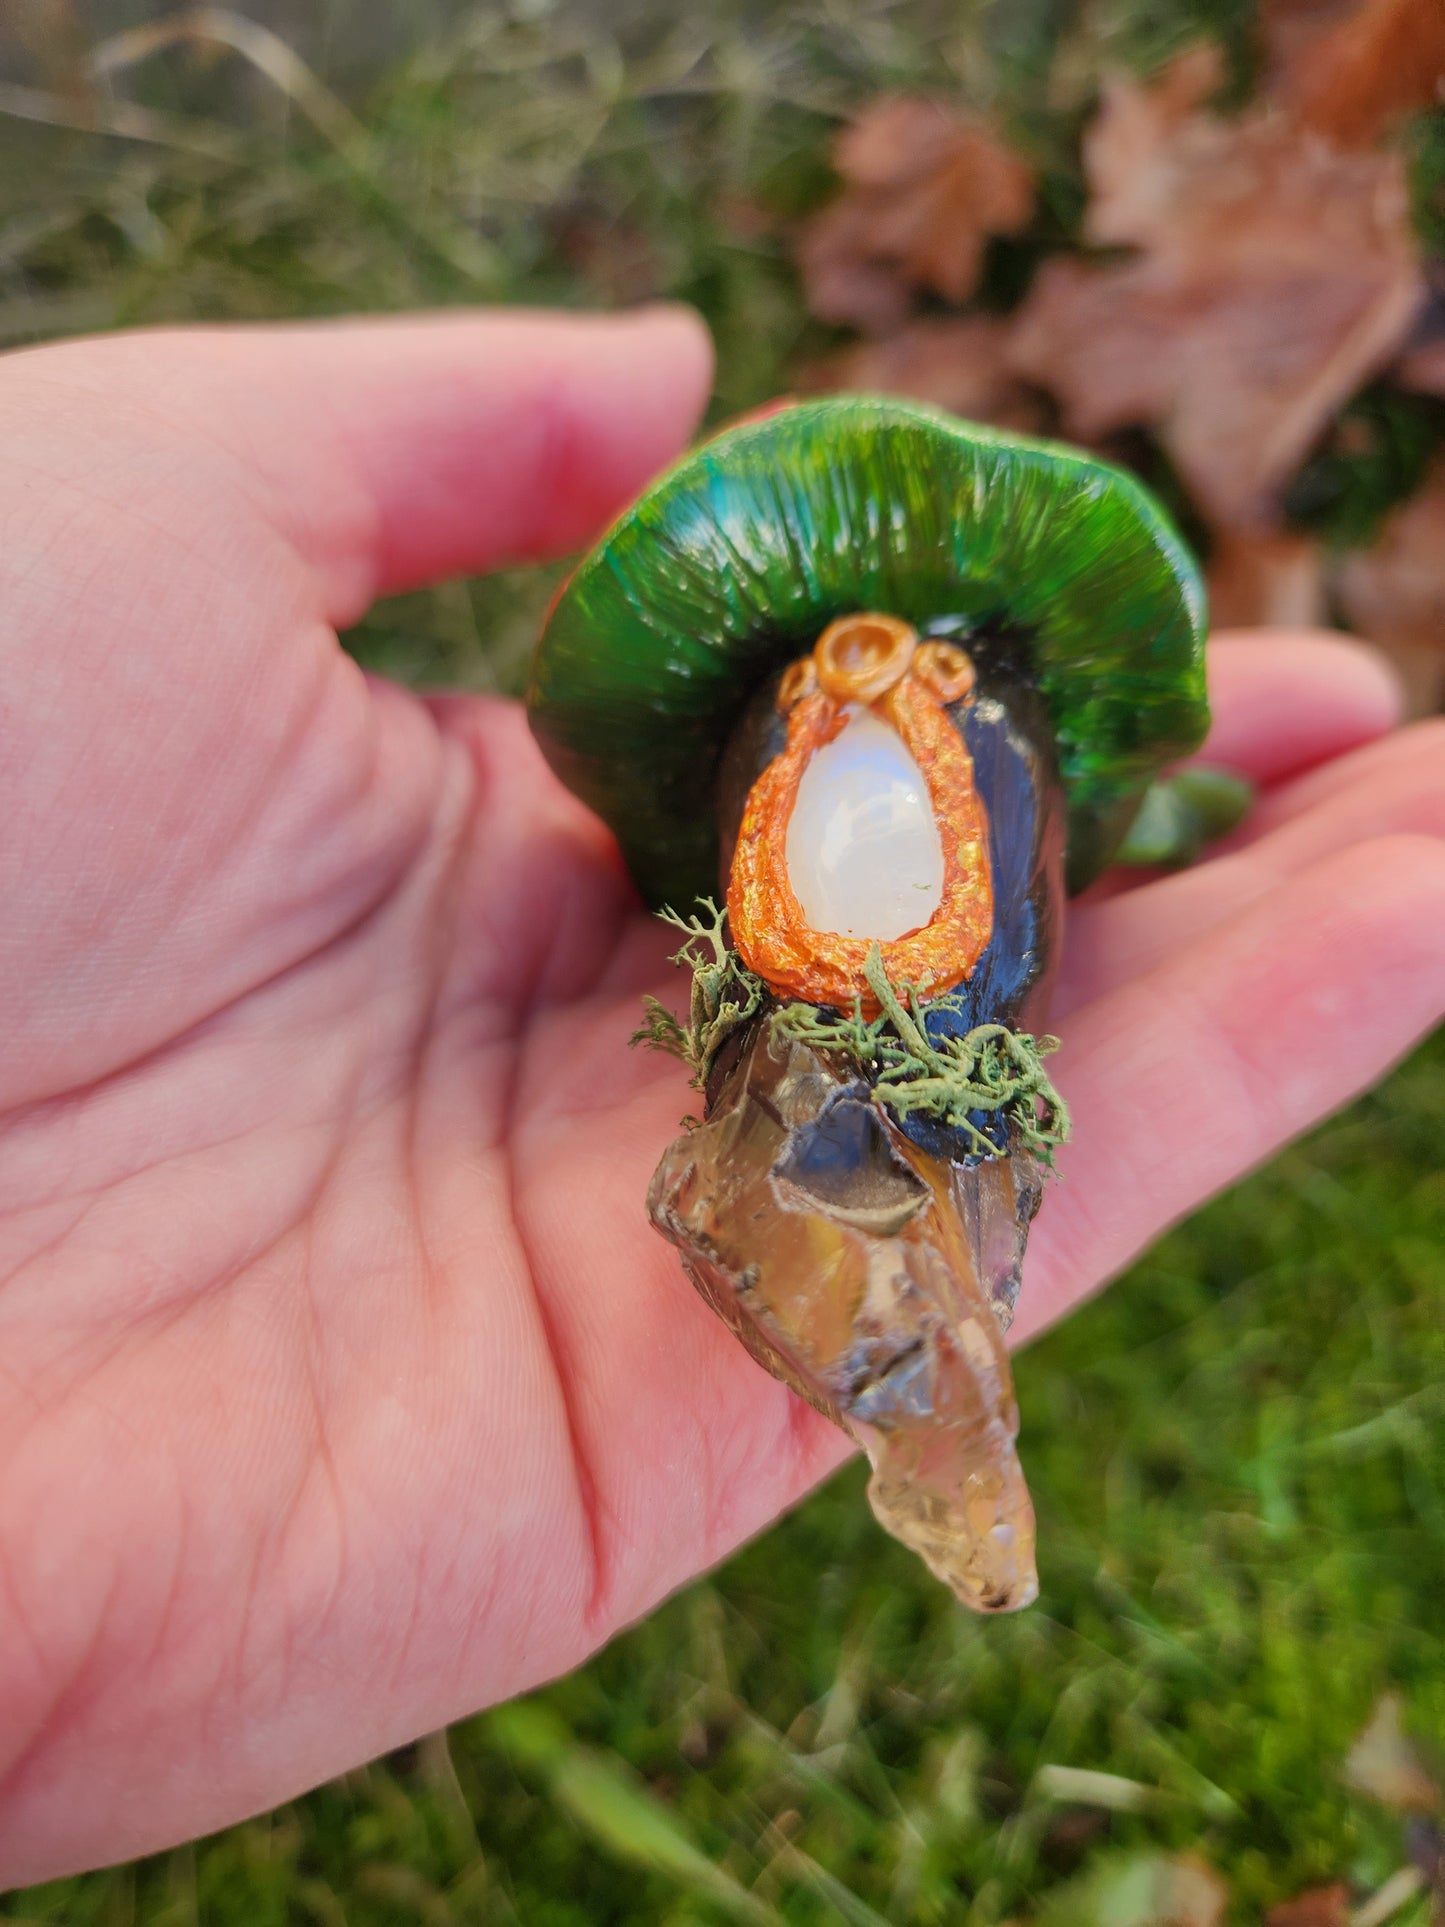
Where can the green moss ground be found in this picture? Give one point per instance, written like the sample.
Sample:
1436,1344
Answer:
1238,1454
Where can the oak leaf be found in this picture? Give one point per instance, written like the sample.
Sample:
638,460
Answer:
1394,594
1383,1761
956,362
1350,71
1317,1907
1266,579
1273,274
923,190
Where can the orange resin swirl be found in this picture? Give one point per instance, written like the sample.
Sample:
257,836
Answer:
769,929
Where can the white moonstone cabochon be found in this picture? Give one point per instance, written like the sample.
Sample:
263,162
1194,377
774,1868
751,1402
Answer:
863,852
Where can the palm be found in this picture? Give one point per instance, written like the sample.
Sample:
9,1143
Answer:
345,1386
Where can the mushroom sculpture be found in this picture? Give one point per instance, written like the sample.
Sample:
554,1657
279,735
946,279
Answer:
864,691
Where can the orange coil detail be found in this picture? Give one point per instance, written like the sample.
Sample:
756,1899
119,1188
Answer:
772,936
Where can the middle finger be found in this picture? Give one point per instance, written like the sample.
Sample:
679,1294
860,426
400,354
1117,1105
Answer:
1393,786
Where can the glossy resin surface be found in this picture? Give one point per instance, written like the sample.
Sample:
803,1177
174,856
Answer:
734,562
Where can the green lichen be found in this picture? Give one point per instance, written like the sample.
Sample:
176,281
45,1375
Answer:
725,995
991,1069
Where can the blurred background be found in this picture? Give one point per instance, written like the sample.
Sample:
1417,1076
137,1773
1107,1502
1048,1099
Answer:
1205,238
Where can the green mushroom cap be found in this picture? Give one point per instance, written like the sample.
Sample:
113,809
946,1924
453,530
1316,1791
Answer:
734,560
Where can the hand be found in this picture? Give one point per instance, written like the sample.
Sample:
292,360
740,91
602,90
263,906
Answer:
343,1386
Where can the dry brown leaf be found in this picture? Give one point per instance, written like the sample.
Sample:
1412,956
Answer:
1142,1889
1351,71
1192,1895
923,189
1394,594
1383,1762
1274,275
1318,1907
1269,580
616,259
1287,29
954,363
1395,591
1138,147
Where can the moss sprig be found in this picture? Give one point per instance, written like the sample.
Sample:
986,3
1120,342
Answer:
991,1070
725,994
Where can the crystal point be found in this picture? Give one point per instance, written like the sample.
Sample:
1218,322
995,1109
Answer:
877,1282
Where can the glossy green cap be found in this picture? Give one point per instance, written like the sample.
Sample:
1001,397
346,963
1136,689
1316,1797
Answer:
733,561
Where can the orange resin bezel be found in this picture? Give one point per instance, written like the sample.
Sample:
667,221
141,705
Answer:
823,967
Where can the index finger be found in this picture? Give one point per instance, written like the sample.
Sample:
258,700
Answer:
396,451
1284,701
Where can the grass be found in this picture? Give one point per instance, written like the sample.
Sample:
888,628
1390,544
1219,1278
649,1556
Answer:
1236,1453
